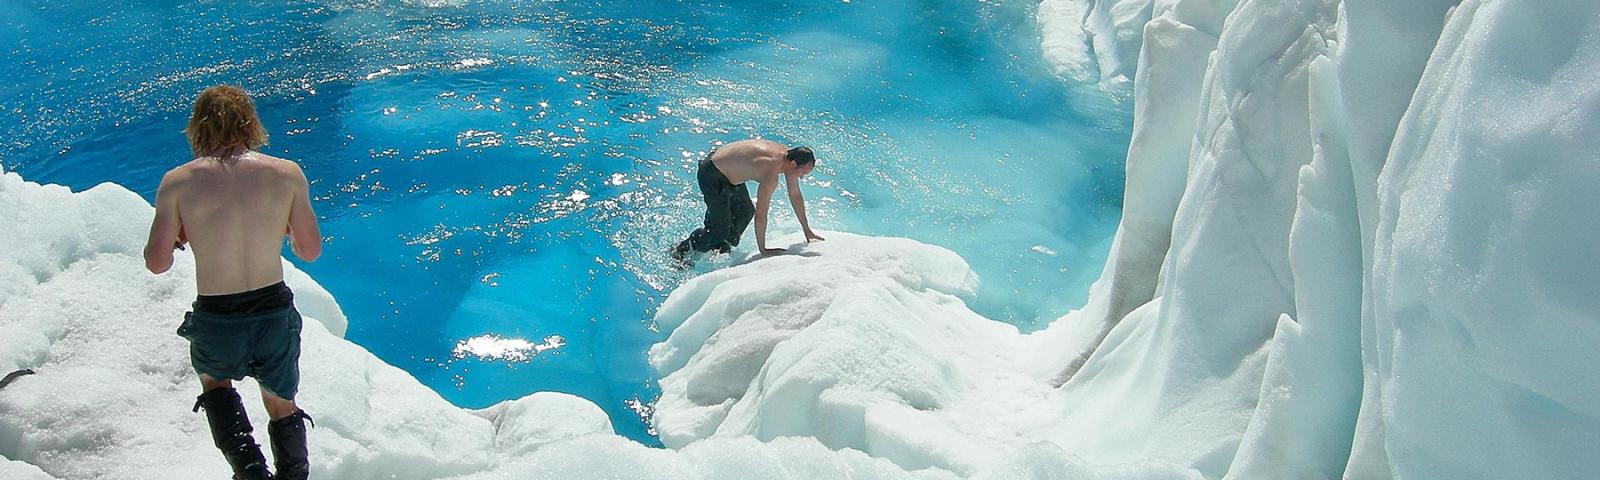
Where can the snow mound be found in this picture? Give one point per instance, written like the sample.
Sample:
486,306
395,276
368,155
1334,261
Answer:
862,343
819,343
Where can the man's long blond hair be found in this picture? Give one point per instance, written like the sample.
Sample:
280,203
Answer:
224,117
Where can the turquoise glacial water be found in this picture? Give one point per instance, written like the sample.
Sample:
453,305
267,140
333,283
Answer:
514,171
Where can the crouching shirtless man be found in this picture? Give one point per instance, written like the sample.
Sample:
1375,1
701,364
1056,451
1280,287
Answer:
722,177
233,206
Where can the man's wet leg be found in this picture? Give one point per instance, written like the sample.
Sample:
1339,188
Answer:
712,235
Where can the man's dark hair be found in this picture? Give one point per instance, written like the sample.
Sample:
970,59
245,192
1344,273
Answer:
801,156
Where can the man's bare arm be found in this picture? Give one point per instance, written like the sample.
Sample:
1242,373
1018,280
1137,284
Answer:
305,239
165,228
798,202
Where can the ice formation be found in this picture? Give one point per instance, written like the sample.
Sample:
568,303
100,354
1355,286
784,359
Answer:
1372,193
1357,242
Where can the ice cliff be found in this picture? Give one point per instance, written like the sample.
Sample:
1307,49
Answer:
1384,201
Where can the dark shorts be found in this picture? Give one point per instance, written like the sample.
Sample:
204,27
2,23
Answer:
260,340
728,211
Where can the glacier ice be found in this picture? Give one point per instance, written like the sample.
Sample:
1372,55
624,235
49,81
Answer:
1484,268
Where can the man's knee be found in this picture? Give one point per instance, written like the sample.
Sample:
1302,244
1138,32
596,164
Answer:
208,384
277,407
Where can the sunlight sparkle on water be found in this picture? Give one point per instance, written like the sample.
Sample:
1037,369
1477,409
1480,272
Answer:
495,347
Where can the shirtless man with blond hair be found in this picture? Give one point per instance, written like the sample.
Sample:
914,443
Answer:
722,176
233,205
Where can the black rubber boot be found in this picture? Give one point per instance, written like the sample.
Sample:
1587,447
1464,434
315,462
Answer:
289,445
230,429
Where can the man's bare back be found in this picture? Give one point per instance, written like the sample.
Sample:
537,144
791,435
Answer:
233,210
750,160
234,205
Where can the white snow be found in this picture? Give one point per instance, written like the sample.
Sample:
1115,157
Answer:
1085,38
18,470
850,340
1115,28
862,343
112,394
1064,40
1484,273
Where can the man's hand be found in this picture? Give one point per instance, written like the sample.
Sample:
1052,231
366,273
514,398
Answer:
812,236
768,252
183,239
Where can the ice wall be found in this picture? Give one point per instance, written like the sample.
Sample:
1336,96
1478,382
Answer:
1485,269
1369,269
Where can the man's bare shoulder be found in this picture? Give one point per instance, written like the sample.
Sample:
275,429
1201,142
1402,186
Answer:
289,169
179,175
276,162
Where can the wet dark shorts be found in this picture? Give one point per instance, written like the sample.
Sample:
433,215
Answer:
254,334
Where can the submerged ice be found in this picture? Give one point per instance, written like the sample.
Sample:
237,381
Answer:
1357,242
